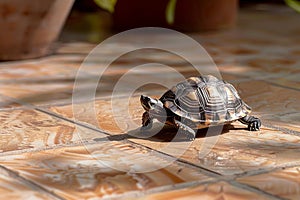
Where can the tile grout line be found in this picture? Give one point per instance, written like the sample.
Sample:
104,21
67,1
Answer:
243,78
206,171
285,130
270,169
29,183
186,185
166,188
46,111
280,85
17,152
254,189
162,153
265,78
125,140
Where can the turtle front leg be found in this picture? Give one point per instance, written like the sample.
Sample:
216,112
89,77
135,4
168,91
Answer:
146,121
186,130
252,122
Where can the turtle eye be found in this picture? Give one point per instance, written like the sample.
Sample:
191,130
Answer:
152,103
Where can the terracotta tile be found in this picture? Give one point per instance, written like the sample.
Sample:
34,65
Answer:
139,66
107,120
100,170
290,81
276,105
5,103
210,191
55,67
273,65
283,183
235,151
43,81
38,71
75,48
39,93
258,68
11,188
30,129
285,120
240,70
256,48
266,98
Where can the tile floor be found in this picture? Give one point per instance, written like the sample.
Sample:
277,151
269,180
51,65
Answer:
55,146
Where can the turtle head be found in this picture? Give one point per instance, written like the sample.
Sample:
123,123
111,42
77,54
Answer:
149,103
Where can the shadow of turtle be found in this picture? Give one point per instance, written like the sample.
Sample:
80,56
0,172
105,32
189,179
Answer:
165,133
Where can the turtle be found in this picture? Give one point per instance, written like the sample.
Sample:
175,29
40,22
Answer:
196,103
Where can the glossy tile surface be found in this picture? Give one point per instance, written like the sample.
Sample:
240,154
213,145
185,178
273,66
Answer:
10,188
31,129
276,105
38,93
210,191
231,151
100,170
284,183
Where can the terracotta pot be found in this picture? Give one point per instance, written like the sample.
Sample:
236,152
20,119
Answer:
199,15
190,15
136,13
28,28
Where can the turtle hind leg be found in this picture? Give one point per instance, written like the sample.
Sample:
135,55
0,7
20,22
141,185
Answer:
186,130
147,121
253,122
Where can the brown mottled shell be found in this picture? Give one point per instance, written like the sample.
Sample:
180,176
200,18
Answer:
206,100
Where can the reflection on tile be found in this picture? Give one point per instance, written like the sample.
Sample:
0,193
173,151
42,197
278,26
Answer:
257,48
43,81
266,98
283,183
289,81
11,188
28,129
5,103
288,120
210,191
102,115
12,72
274,104
75,48
39,93
235,151
99,170
54,67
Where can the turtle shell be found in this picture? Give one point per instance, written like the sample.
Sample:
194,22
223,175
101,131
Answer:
206,100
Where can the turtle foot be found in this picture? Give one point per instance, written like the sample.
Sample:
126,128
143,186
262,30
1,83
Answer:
254,125
253,122
189,133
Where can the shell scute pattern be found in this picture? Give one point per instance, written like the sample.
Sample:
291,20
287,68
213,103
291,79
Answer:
205,99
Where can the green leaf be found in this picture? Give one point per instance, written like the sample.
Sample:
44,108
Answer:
293,4
170,11
107,4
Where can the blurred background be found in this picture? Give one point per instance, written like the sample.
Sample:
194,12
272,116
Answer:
29,28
